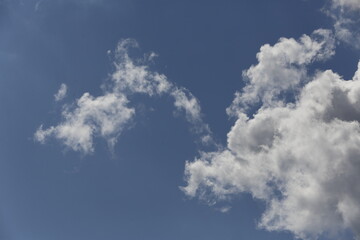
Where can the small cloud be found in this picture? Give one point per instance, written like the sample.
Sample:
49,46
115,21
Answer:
61,94
151,56
224,209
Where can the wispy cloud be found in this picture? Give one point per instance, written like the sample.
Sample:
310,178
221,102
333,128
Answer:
61,94
346,17
106,116
186,102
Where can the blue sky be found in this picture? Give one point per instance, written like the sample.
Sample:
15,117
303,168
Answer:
159,146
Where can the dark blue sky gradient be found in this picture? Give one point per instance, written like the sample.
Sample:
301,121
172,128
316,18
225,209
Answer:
48,192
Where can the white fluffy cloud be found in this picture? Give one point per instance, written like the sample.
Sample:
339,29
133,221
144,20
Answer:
346,16
131,77
302,157
282,67
107,116
104,116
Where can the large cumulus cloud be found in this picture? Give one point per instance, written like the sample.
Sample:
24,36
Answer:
302,157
